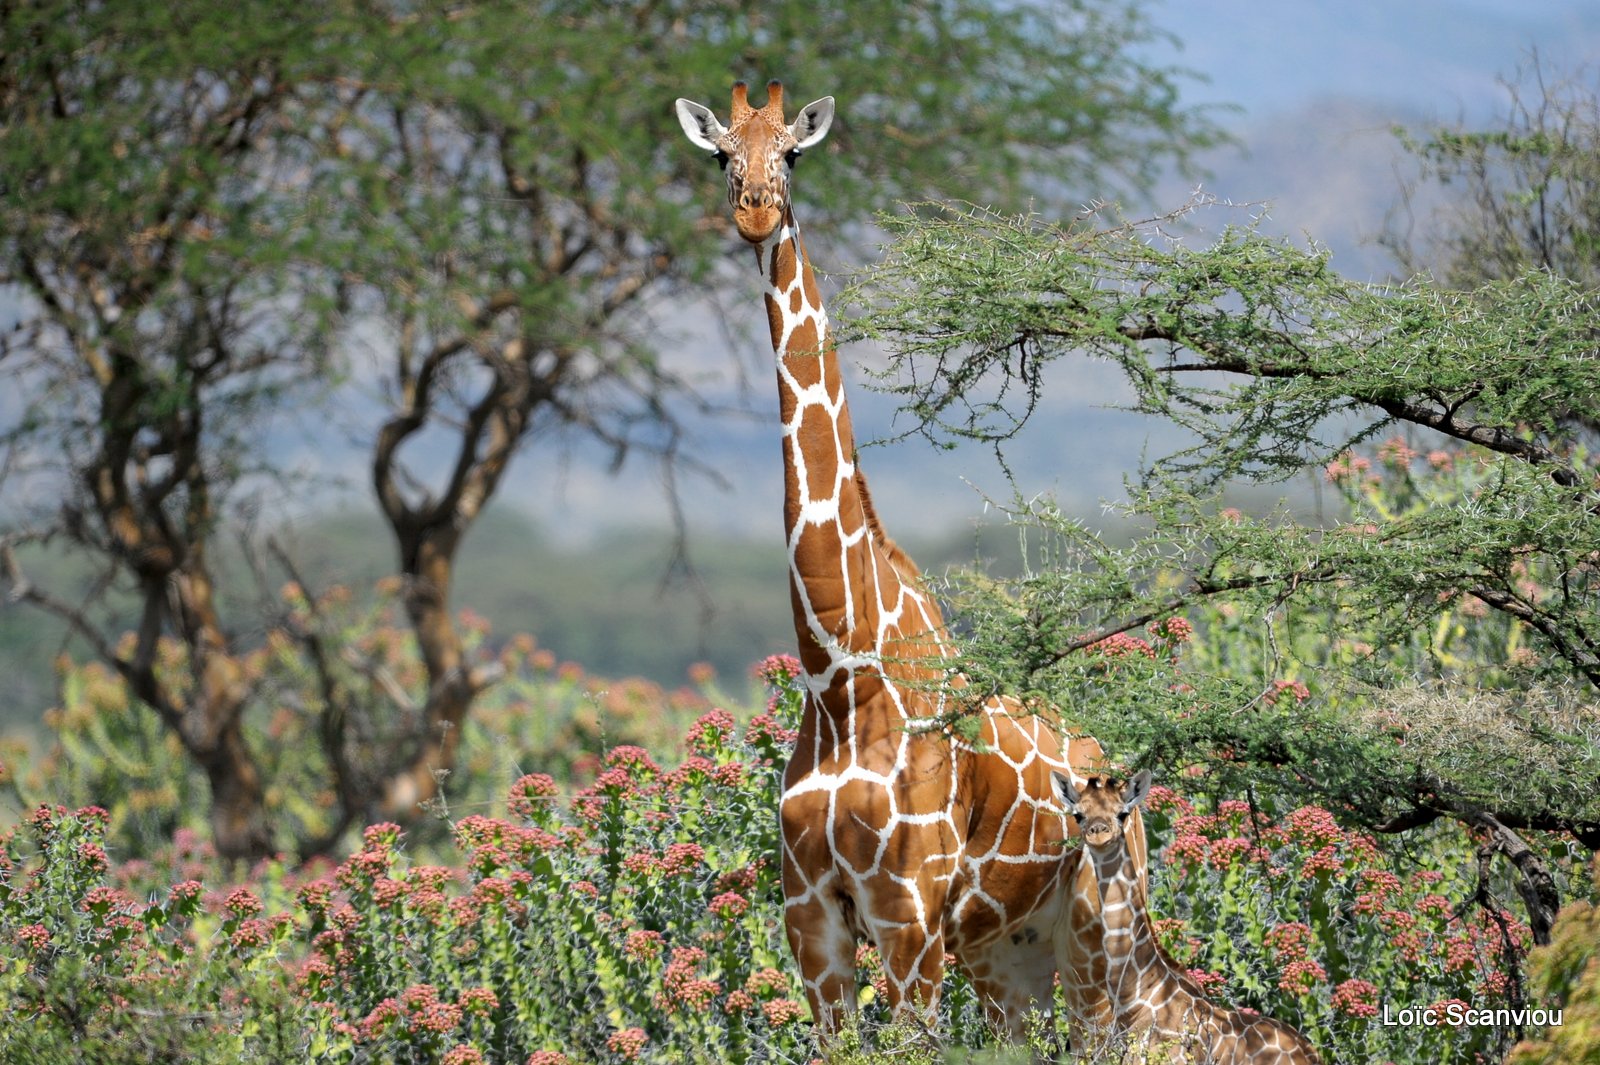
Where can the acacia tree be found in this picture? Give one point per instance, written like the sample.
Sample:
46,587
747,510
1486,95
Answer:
1275,363
205,205
161,318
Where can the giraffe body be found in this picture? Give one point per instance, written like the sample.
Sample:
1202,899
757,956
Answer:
1133,994
894,830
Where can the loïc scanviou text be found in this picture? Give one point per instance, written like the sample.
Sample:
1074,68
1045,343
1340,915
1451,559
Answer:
1459,1014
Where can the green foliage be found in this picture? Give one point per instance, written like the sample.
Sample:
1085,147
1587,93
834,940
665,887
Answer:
1307,922
1442,617
105,750
1565,975
91,974
1342,666
975,303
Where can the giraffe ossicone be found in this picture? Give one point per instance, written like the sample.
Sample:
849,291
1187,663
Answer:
894,830
1145,998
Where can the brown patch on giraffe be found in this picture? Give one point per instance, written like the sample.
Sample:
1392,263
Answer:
860,812
805,347
979,920
785,268
796,301
821,448
819,555
774,317
906,847
813,297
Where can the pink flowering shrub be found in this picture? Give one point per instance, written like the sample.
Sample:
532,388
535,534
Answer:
87,964
1299,918
640,914
635,915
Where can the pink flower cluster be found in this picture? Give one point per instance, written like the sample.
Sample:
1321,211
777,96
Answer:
729,905
777,671
781,1011
1289,940
711,732
34,936
643,945
242,902
1345,467
492,843
764,731
424,1011
531,795
682,986
628,1043
766,982
681,859
1356,998
1300,976
1173,630
1280,688
1121,645
1210,983
1396,453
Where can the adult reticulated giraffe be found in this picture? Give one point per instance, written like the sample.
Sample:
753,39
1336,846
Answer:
894,829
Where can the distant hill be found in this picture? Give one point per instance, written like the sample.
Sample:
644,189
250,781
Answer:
617,606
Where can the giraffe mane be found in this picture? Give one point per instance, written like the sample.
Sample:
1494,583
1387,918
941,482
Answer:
902,562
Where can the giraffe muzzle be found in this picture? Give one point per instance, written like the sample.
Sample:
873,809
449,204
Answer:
1098,833
757,223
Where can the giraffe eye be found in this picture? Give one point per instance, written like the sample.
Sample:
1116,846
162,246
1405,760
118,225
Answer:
791,156
722,158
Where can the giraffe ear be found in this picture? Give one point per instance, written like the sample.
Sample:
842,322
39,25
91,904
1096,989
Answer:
1069,794
1136,790
811,124
700,125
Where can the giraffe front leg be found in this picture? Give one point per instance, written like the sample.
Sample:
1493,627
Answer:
913,969
824,950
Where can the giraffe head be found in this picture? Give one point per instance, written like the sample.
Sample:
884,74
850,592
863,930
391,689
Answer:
757,150
1102,807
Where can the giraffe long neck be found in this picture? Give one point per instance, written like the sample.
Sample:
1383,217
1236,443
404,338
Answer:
1136,970
855,594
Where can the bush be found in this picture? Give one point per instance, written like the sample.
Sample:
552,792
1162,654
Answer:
1565,975
1308,922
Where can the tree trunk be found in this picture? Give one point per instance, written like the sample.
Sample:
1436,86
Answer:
212,725
428,563
239,825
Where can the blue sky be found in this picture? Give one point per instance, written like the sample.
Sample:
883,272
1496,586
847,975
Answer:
1438,56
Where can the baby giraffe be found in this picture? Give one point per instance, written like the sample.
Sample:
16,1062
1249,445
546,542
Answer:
1151,1000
